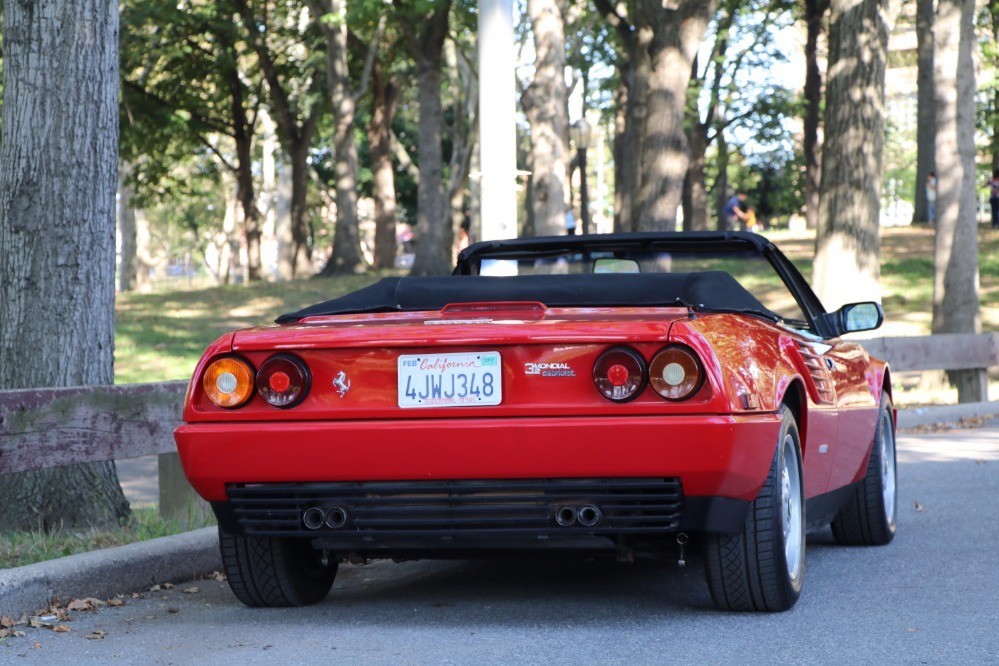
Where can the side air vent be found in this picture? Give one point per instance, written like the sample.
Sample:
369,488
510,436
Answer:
819,373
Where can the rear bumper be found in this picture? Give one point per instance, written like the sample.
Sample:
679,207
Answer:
719,462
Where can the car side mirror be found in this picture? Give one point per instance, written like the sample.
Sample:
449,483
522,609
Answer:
855,317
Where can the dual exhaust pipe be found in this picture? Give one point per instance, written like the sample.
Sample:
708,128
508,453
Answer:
334,518
587,515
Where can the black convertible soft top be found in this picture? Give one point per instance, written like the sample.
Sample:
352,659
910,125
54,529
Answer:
708,290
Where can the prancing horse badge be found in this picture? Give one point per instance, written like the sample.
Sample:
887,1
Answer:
341,383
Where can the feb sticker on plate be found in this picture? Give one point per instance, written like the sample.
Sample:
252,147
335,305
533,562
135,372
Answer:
472,379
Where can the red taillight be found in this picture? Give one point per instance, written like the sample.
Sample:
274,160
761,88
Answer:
619,374
676,373
283,380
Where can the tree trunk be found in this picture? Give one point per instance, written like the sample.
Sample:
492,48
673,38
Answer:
721,182
293,256
297,136
346,257
925,109
544,104
126,233
638,74
384,100
677,33
847,248
57,254
695,212
434,235
815,11
955,283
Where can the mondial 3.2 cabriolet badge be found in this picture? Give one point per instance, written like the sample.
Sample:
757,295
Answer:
341,383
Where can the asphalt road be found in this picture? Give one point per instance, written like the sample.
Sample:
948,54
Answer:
932,596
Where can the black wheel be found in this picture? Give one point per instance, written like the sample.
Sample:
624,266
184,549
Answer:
762,567
868,518
265,571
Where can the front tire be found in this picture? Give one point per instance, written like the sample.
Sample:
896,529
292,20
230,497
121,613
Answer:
274,572
868,518
762,567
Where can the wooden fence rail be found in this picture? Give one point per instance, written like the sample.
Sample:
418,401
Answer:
42,428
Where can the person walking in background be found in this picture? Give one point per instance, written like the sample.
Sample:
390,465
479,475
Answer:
733,211
994,198
931,197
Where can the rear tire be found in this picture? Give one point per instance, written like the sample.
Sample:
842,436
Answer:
273,572
762,567
868,518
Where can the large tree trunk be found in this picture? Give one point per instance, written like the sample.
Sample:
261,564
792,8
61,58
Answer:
384,100
434,235
815,11
926,123
847,253
678,29
346,257
57,254
955,283
544,104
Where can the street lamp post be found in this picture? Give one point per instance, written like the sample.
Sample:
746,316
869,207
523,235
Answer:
581,134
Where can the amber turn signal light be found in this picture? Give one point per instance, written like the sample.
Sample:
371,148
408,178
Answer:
676,373
228,382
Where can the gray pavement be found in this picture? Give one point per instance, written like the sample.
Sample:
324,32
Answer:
929,597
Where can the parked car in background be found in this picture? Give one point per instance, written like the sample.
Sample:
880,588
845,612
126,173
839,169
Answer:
614,394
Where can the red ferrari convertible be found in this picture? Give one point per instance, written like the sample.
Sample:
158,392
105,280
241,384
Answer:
617,394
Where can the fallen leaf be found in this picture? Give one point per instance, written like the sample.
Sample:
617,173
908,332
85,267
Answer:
116,602
919,507
217,575
173,610
60,629
38,623
4,633
168,586
192,590
87,604
96,635
155,588
38,646
6,622
136,595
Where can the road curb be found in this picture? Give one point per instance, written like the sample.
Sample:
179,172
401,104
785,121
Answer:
914,417
104,573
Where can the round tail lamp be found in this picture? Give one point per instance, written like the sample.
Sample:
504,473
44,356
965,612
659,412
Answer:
228,382
619,374
676,373
283,380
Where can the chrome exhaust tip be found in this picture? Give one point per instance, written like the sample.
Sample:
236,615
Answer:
336,518
313,518
565,516
589,515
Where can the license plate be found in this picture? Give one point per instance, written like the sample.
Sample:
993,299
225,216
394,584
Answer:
450,380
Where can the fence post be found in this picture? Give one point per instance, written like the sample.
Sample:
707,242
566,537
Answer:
178,501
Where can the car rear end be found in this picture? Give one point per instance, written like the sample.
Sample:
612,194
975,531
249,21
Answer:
487,427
